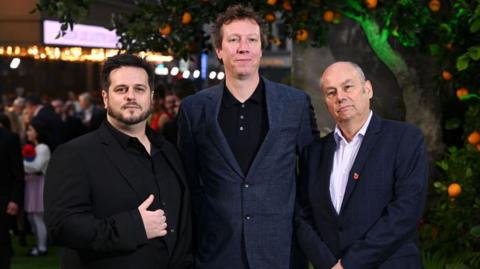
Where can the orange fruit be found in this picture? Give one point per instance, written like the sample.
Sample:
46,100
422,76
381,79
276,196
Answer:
446,75
474,138
434,5
166,29
271,2
454,190
302,35
287,6
371,4
276,41
328,16
186,17
270,17
461,92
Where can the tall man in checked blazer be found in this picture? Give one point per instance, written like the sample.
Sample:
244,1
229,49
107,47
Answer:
118,196
239,141
364,184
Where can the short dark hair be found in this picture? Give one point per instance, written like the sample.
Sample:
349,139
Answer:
122,60
42,133
235,13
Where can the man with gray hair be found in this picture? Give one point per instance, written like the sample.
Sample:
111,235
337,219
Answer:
92,115
364,185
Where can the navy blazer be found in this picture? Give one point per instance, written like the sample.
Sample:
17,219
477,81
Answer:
236,213
383,202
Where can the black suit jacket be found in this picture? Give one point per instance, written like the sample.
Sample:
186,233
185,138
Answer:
383,201
91,201
53,125
11,168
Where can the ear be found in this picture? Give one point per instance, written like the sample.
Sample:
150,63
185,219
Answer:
368,88
218,51
105,98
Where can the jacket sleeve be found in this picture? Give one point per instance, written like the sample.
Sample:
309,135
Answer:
39,164
16,164
308,126
308,238
400,218
189,154
69,216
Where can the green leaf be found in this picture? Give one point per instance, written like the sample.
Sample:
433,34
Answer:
475,231
452,124
437,184
435,49
463,61
474,52
468,172
475,26
443,165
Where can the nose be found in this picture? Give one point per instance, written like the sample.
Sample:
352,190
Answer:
243,46
340,97
130,94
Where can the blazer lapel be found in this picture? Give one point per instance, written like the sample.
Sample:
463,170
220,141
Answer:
326,166
274,112
368,143
120,160
216,134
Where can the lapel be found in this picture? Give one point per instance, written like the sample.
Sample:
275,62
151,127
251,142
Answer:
274,112
368,143
326,166
212,109
120,160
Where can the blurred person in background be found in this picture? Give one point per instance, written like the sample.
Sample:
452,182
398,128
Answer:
167,114
73,125
11,187
35,161
15,114
92,115
37,112
181,89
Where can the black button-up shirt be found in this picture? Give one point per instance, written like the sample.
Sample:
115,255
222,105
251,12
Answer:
244,124
143,163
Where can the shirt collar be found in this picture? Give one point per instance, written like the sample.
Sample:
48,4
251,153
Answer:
125,139
258,96
361,133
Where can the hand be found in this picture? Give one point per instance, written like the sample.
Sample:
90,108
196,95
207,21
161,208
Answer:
338,265
154,221
12,208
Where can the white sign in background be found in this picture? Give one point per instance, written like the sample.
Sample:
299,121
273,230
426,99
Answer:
81,36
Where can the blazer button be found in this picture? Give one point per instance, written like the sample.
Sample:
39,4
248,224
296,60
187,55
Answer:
164,204
246,185
248,217
172,230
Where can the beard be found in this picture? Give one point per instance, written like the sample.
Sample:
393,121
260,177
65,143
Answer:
132,120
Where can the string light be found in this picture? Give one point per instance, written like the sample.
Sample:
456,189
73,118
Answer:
74,54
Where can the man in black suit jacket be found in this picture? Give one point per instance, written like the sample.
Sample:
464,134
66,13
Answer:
117,196
44,114
364,185
11,188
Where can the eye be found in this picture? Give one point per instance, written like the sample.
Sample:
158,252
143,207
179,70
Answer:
233,39
253,39
120,89
140,89
348,87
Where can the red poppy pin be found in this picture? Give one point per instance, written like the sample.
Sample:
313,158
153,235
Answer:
356,176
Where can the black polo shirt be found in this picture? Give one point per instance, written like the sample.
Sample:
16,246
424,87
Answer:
244,124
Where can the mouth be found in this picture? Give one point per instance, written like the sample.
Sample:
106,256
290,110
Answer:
343,108
131,106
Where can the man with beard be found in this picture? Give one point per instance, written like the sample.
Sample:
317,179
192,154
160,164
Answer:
116,197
